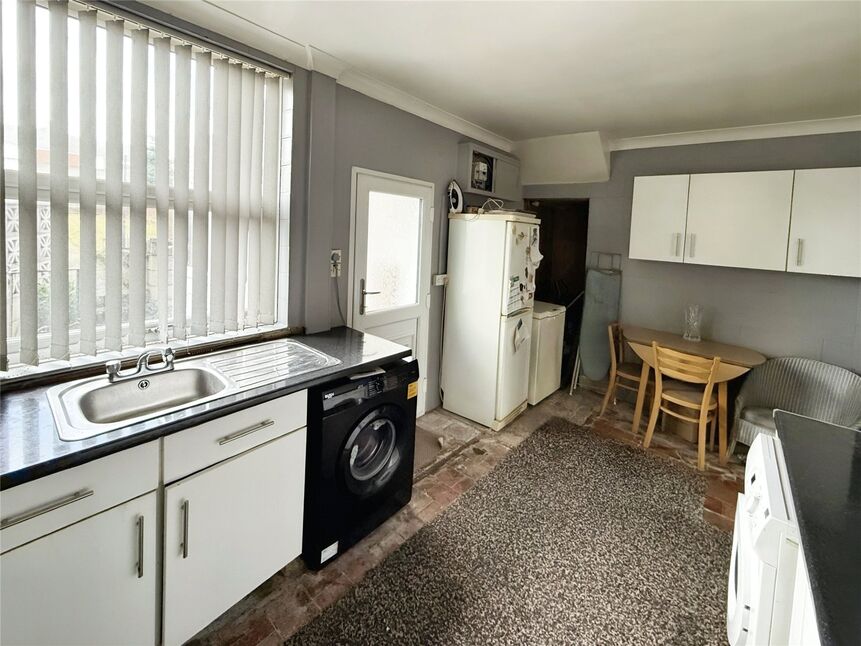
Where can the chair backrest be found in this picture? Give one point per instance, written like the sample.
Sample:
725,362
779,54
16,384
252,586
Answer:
807,387
684,366
617,344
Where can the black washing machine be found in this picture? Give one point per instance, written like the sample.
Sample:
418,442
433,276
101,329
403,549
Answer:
359,464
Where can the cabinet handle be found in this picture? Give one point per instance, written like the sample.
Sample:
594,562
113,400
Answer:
692,248
677,240
140,563
44,509
246,431
799,253
185,529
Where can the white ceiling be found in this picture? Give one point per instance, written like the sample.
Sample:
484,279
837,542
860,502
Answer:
533,69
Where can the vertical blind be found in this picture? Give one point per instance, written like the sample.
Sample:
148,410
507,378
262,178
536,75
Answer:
144,206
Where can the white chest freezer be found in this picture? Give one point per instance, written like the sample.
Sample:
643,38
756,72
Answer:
545,357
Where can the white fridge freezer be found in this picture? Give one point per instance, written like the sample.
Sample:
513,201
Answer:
492,261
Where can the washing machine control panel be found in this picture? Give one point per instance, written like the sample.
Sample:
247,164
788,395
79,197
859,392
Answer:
355,392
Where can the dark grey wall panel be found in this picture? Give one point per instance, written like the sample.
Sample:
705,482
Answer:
775,312
320,203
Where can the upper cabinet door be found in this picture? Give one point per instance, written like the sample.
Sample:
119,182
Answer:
825,235
658,216
739,219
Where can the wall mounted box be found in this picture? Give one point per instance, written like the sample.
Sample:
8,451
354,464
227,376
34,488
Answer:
502,172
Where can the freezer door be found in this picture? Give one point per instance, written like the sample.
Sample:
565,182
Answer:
512,377
521,262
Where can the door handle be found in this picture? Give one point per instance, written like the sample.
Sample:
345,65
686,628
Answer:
185,529
677,239
799,253
140,563
692,247
365,292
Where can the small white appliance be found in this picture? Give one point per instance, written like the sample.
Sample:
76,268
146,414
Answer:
765,551
492,260
545,356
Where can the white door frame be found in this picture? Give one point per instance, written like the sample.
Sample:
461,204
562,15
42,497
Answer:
422,340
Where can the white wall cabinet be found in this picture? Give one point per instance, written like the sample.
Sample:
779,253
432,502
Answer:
825,233
93,582
739,219
227,529
658,217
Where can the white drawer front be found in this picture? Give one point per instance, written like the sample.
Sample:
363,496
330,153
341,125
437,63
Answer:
196,448
45,505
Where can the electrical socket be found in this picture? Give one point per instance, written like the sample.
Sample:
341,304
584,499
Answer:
335,263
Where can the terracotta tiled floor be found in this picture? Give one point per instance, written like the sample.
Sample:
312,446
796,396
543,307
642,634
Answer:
294,596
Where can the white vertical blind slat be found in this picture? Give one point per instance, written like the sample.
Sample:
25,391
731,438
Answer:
114,185
161,65
246,132
269,221
27,209
182,115
200,223
219,193
255,194
87,181
137,188
231,255
59,108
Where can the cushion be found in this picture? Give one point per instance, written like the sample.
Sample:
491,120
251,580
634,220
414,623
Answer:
760,416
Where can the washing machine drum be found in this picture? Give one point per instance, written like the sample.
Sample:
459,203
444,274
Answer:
374,450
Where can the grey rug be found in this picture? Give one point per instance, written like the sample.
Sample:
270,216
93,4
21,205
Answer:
572,539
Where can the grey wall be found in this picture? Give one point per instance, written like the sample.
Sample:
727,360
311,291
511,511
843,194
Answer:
775,312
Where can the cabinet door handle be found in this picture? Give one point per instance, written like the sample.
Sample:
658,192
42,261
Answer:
185,529
799,253
677,240
44,509
246,431
140,563
692,247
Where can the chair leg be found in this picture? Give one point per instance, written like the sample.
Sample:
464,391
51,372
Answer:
611,392
701,442
653,419
713,432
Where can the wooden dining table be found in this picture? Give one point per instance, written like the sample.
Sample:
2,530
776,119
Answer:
734,362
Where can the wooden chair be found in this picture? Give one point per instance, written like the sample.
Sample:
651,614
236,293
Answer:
690,387
619,369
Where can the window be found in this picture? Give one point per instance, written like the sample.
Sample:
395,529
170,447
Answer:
141,188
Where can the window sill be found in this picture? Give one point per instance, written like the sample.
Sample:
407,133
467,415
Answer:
54,371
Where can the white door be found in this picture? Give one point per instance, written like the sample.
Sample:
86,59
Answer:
93,582
825,234
390,278
227,529
658,214
512,378
739,219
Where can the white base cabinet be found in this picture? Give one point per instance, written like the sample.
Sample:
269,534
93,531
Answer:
227,529
93,582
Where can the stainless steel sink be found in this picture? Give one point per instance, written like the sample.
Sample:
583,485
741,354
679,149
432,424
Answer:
90,407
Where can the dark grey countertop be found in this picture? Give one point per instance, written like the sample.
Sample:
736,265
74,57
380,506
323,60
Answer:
31,448
823,463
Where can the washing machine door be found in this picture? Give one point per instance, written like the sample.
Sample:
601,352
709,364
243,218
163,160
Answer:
373,450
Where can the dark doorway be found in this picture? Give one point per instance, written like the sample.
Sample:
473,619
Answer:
561,277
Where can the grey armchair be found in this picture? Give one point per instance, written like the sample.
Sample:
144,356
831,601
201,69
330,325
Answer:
804,386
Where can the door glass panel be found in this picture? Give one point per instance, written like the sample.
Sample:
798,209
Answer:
394,236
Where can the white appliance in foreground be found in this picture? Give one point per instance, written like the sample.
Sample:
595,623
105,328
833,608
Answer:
492,259
545,356
765,552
